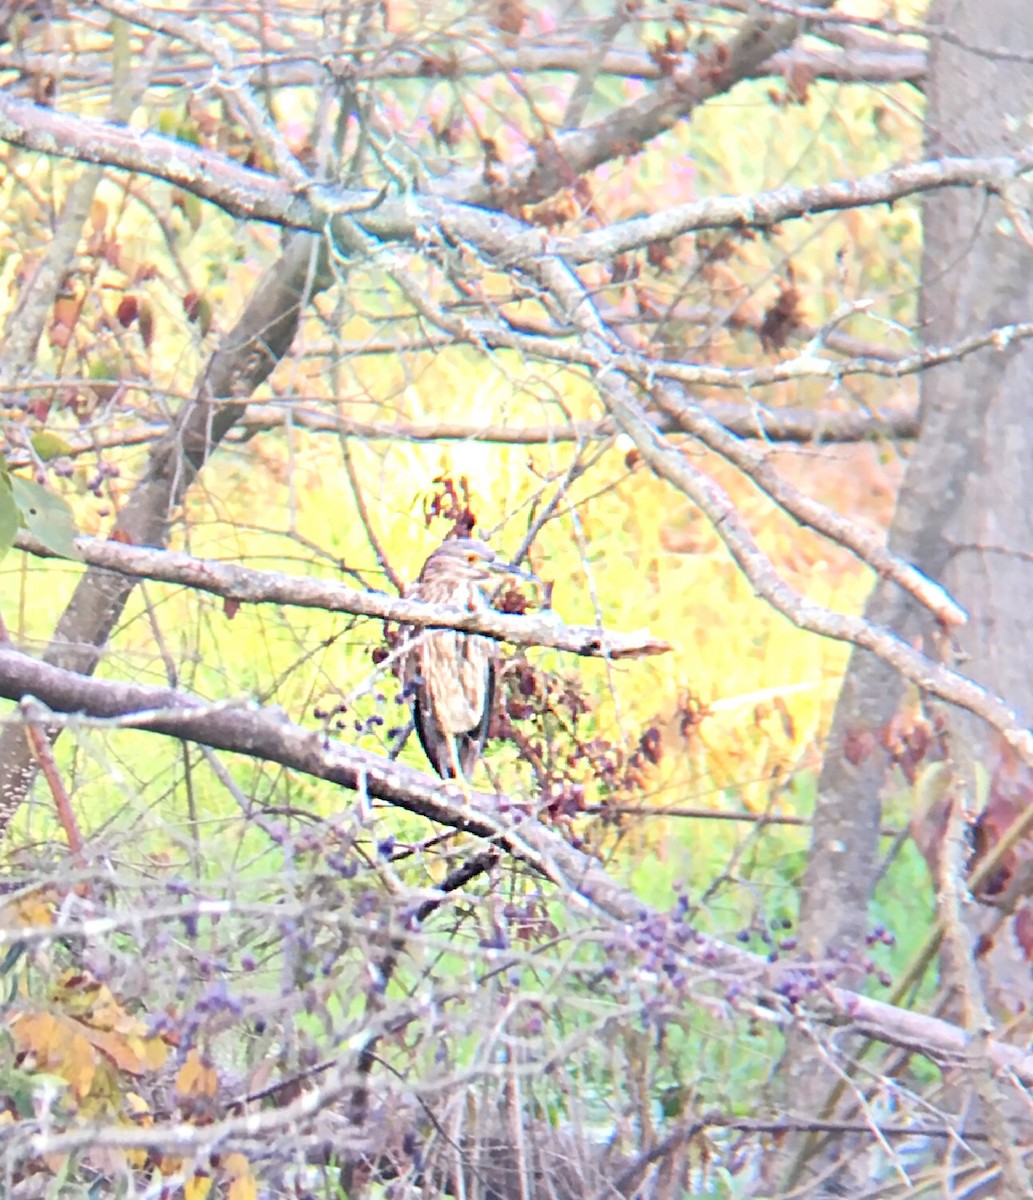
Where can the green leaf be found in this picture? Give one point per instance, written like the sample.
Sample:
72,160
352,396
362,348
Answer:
10,518
193,210
46,516
49,445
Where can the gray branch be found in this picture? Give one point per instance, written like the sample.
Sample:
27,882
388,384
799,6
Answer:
799,426
887,64
248,586
268,735
245,193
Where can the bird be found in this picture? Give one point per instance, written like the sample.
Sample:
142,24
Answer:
450,676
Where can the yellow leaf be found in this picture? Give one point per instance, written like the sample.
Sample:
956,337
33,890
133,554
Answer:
105,1012
98,215
76,991
37,908
197,1188
81,1070
115,1047
111,1015
57,1045
154,1052
244,1187
33,1031
196,1078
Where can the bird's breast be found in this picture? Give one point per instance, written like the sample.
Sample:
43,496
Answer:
455,672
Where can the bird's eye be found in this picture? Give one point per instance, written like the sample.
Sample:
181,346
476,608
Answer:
471,558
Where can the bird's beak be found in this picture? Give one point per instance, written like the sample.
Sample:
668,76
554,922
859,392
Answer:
501,568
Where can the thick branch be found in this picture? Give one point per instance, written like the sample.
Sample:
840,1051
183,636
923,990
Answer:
797,426
761,210
266,734
884,64
210,175
247,586
243,192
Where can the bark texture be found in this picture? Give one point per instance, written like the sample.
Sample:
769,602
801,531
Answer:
964,512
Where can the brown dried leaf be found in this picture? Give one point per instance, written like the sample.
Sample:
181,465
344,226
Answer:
98,215
115,1047
781,318
243,1185
1023,929
128,308
58,1045
508,16
65,318
799,76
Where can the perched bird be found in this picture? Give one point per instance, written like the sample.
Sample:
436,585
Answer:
449,675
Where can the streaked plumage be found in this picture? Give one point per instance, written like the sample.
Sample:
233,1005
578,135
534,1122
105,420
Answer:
451,676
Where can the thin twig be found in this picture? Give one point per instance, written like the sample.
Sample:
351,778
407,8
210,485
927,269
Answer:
43,752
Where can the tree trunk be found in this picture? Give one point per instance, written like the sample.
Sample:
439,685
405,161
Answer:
248,354
964,511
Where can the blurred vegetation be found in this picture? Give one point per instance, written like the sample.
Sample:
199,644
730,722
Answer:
739,709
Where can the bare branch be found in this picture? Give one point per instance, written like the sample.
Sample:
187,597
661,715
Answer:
212,176
246,193
229,78
43,752
626,129
761,210
792,425
868,546
883,64
613,368
247,586
267,734
671,464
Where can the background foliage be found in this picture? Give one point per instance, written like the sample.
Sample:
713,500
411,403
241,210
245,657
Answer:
224,977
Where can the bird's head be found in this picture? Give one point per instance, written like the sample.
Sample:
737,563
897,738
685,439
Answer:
468,561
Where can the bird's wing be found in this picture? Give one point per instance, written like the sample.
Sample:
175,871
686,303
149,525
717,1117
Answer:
435,742
471,745
452,680
411,674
